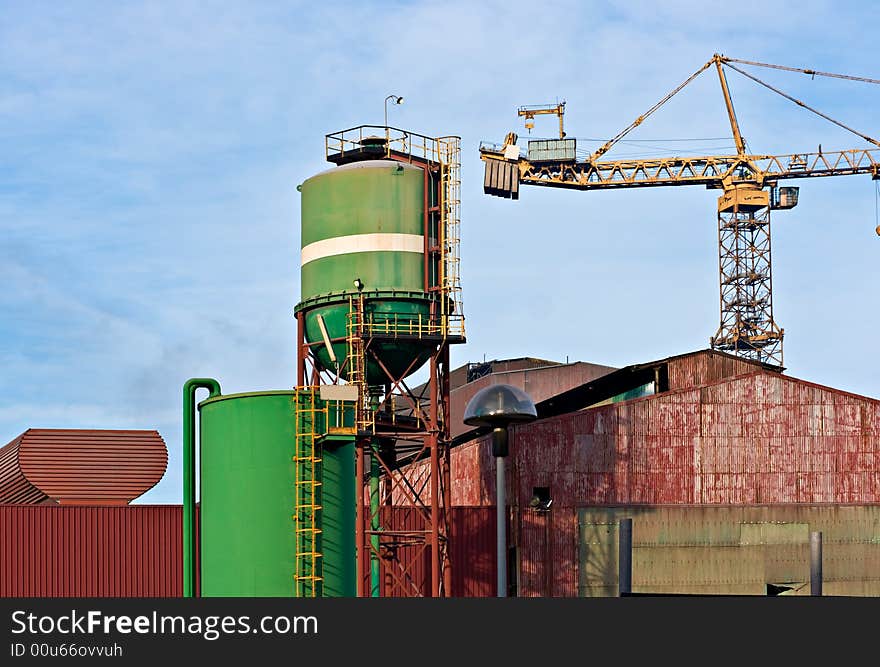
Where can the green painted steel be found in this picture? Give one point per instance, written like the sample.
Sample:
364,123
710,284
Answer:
247,499
189,476
338,543
347,208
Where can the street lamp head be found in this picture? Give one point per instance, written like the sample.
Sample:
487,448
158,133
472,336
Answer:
358,284
499,405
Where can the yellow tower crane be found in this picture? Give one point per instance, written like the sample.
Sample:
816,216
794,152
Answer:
750,190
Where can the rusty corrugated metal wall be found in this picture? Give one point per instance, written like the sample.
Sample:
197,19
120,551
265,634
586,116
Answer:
57,551
743,439
698,369
759,438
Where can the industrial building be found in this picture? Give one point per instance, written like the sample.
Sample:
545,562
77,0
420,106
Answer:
725,466
352,482
705,451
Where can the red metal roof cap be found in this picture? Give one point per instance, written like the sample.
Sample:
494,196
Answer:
79,466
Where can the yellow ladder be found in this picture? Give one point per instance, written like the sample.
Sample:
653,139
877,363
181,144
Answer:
357,365
451,308
308,559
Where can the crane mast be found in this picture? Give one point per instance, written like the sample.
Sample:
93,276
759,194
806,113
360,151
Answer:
750,190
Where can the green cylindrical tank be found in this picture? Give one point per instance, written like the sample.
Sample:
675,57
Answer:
366,221
248,542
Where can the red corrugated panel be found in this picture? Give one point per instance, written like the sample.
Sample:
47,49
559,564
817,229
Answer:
533,554
56,551
695,370
474,549
14,486
90,465
82,466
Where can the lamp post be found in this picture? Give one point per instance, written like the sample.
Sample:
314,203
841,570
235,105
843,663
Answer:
397,100
498,406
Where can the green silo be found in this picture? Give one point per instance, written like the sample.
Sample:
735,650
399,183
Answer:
366,220
256,531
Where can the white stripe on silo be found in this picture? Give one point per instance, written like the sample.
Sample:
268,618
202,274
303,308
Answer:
343,245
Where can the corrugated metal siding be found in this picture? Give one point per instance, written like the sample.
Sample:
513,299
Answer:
473,554
759,438
696,370
92,466
14,486
471,472
745,439
56,551
732,549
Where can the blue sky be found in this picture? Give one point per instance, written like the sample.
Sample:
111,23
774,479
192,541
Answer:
149,219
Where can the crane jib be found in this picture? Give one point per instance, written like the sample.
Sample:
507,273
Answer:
502,177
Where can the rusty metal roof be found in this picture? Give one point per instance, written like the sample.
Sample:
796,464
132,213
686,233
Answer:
77,466
686,370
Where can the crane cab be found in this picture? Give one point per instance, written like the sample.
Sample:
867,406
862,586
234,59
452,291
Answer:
783,198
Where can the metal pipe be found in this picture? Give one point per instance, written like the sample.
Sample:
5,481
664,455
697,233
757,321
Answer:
816,563
501,501
374,521
624,557
359,515
443,388
326,337
434,444
301,349
189,476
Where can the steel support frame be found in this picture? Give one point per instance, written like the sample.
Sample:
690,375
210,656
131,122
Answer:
747,328
414,511
427,500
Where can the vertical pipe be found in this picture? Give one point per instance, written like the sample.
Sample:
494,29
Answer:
427,228
374,521
548,557
359,515
501,524
189,476
388,589
445,469
816,563
624,557
300,349
433,443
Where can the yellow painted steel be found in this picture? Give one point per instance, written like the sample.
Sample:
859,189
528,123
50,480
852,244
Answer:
747,326
365,420
307,460
531,111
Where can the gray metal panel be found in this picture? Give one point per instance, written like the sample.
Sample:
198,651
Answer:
552,150
731,550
